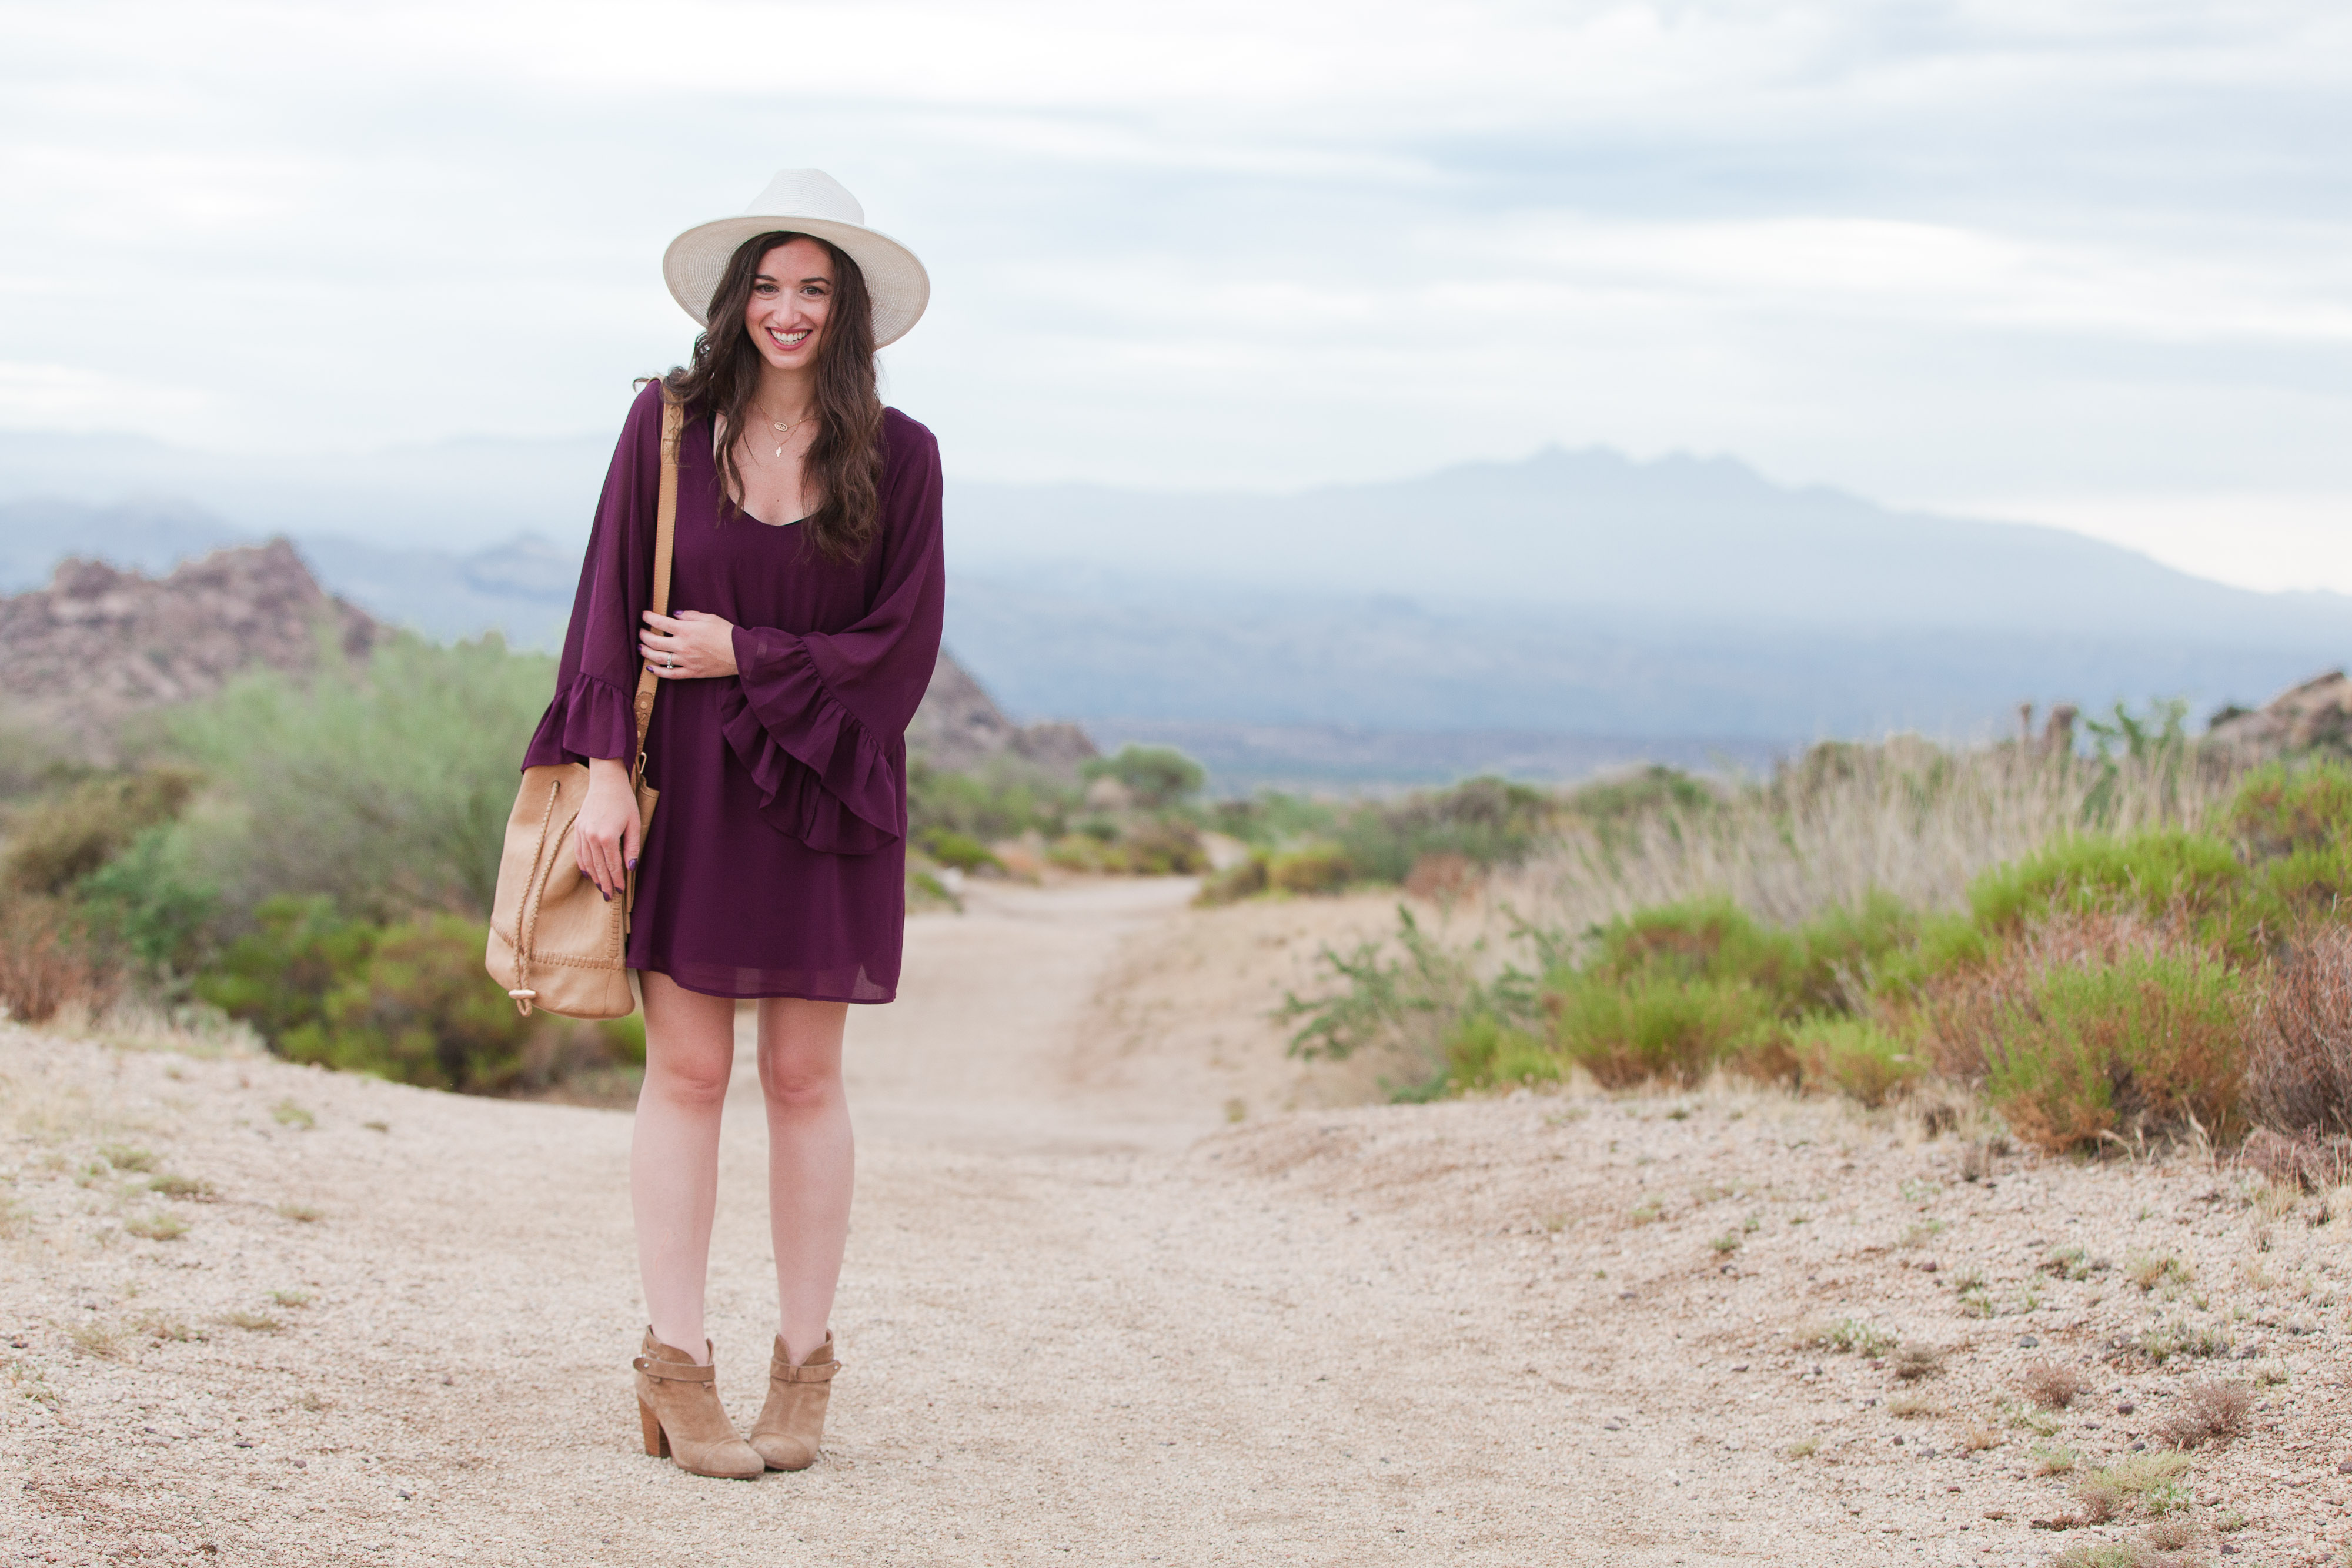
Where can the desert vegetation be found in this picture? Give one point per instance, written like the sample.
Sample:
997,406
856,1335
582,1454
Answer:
2146,942
310,857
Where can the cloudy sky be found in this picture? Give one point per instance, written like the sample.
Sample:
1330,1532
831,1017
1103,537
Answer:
2083,261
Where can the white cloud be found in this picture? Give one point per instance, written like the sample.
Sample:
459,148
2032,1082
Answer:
1927,249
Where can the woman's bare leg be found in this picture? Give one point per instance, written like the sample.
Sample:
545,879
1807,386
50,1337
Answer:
811,1162
673,1153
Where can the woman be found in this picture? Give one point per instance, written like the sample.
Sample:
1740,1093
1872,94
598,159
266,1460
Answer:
805,593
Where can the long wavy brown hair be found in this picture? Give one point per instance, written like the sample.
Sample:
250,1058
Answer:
845,459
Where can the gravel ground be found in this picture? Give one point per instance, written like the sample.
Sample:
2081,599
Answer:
1087,1319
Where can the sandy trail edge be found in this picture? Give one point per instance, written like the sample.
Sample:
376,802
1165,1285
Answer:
1078,1330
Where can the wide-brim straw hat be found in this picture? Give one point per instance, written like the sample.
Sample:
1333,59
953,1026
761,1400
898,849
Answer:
809,201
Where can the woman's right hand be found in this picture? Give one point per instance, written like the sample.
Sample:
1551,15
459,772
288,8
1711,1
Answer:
608,828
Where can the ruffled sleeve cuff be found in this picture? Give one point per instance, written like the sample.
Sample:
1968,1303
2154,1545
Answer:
824,778
592,718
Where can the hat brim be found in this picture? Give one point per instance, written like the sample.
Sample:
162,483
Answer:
895,280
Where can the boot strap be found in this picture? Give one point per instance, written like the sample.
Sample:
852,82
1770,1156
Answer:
785,1371
674,1371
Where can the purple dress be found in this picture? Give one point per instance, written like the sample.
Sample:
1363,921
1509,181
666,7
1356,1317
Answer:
776,863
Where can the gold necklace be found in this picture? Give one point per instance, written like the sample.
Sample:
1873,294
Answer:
784,432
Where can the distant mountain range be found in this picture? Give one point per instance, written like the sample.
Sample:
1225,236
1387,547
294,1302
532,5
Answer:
1572,594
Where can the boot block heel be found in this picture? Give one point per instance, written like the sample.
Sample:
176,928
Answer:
657,1440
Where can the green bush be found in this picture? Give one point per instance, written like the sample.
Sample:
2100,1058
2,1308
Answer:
2283,809
1156,776
1236,883
66,837
1844,949
1708,939
1489,821
419,1009
2157,873
1484,1051
1653,1026
959,850
1316,868
2093,1051
1004,798
1854,1057
278,976
152,907
386,787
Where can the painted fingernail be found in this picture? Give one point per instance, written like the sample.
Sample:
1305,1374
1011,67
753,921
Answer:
608,897
632,865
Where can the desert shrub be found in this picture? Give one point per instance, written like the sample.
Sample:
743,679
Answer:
1271,820
66,837
1845,946
1852,1056
1236,883
2158,873
1960,989
2208,1413
279,976
152,908
1164,848
386,788
1651,1025
1409,1003
2299,1066
1316,868
2281,810
958,849
1155,776
2155,1038
1487,821
1701,940
1003,798
1442,878
2052,1384
1608,802
418,1009
51,960
1484,1051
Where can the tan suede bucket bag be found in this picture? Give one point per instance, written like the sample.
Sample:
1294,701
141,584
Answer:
556,943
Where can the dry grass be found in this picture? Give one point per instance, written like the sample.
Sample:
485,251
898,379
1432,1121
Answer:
2053,1385
1914,1362
2208,1413
1905,818
252,1322
301,1213
157,1227
194,1188
2299,1073
94,1338
1912,1406
47,966
2052,1459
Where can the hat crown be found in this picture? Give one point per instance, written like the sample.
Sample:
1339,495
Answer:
805,193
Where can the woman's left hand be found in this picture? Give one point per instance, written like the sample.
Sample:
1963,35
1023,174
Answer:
688,646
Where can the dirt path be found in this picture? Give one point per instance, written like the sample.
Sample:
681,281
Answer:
1084,1321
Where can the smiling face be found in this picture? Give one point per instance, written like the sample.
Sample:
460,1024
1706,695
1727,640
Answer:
791,292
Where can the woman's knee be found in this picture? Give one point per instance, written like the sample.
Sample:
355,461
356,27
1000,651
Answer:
691,1079
801,1082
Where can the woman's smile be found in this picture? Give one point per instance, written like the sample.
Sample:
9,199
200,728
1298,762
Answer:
788,341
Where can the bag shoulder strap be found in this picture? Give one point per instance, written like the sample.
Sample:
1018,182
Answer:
665,533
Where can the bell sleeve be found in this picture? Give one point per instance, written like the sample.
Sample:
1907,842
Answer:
820,718
593,714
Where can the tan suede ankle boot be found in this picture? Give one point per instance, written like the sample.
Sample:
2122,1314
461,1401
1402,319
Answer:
791,1423
677,1406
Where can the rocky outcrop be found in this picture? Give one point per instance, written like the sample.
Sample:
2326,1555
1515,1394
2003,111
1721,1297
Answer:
959,727
99,643
2313,716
